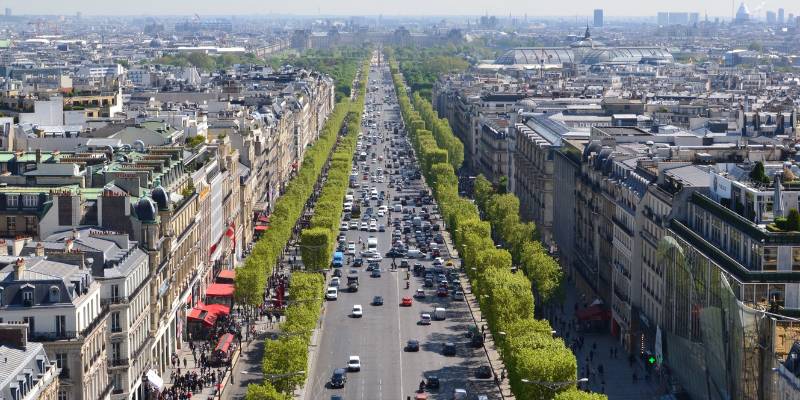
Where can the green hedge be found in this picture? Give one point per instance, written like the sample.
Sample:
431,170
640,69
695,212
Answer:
528,347
290,353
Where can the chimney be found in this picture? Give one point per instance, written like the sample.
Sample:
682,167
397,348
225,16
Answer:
16,335
3,248
38,156
68,245
75,234
39,250
17,246
19,268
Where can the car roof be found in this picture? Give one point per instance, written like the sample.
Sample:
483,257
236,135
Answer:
354,358
339,371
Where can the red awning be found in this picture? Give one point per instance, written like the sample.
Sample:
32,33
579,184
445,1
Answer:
204,314
261,228
227,274
220,290
224,342
263,218
218,309
593,313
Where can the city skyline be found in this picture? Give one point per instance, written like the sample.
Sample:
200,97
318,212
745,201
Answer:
573,8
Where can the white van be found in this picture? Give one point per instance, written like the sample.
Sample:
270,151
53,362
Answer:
439,314
372,244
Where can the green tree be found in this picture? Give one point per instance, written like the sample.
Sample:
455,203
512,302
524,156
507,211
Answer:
483,190
758,174
793,220
285,356
264,391
575,394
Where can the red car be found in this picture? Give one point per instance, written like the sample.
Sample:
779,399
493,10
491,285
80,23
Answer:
442,292
406,302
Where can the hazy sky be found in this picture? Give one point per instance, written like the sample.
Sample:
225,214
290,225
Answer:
389,7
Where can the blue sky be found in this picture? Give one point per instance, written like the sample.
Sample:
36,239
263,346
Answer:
389,7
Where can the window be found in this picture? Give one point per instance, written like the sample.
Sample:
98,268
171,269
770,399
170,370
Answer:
61,325
795,258
27,297
30,224
62,395
11,223
12,201
55,294
114,293
116,350
29,201
115,325
770,260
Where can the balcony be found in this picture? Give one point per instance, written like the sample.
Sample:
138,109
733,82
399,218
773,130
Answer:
114,300
118,362
52,336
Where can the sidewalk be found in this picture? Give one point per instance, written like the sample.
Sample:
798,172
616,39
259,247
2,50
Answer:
495,361
617,382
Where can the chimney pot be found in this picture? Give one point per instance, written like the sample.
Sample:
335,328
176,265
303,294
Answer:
19,268
39,249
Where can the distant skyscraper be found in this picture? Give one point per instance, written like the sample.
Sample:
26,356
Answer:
742,14
663,18
679,18
781,19
598,17
8,12
694,18
771,18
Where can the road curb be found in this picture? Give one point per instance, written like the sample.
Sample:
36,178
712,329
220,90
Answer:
313,347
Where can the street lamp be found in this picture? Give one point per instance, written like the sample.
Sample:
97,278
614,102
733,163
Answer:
555,385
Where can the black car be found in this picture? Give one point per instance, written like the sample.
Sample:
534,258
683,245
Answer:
432,382
412,345
394,253
336,397
337,272
483,372
377,301
339,378
358,262
449,349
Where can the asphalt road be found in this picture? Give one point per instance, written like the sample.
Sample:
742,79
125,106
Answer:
379,337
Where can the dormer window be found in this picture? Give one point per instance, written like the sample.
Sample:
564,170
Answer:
12,201
54,294
29,201
27,295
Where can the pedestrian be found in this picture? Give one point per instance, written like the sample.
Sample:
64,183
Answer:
184,362
503,375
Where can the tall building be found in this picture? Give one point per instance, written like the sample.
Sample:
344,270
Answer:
742,14
781,19
663,18
598,17
8,12
27,373
694,17
772,18
679,18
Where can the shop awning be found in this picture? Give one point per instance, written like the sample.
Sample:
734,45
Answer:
155,380
261,228
220,290
593,313
227,274
205,314
225,342
263,218
218,309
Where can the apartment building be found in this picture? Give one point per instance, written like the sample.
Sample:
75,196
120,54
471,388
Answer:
27,372
61,305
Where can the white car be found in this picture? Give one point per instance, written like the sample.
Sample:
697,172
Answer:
332,293
358,312
354,363
351,248
375,257
344,226
425,319
373,227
